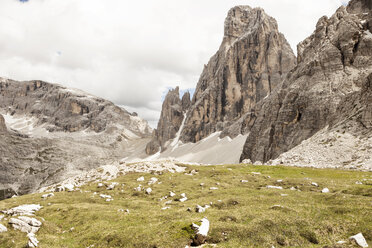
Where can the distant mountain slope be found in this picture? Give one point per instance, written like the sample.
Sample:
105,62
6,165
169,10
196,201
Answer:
58,108
51,132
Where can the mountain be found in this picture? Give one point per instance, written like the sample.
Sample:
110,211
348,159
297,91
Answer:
328,91
170,121
311,111
252,60
49,132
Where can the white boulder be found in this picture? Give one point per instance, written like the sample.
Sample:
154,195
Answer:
148,191
153,180
274,187
359,239
139,188
140,179
3,228
47,195
23,226
325,190
27,209
112,186
32,240
203,229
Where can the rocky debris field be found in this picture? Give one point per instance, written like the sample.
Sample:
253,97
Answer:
191,205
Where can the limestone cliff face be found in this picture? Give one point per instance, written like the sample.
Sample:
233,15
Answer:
170,121
332,75
252,60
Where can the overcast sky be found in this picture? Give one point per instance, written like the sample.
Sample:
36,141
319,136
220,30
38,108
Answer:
130,52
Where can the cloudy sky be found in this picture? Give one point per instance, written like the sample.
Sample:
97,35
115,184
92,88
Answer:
130,52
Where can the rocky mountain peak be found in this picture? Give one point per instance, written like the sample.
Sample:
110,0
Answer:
252,60
243,20
332,72
359,6
171,117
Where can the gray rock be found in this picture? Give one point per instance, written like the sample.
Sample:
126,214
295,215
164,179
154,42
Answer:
330,86
3,128
252,60
170,121
60,131
21,225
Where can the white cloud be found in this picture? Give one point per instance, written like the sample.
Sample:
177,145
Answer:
130,52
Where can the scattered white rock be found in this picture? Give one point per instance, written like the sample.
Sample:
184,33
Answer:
140,179
3,228
1,217
28,209
148,191
139,188
325,190
256,173
202,184
199,209
153,180
23,226
279,181
358,182
213,188
125,211
165,208
258,163
30,221
283,194
171,194
32,240
69,187
100,185
247,161
341,242
112,186
191,173
183,195
292,188
112,171
315,184
359,239
244,181
107,198
183,199
274,187
168,202
47,195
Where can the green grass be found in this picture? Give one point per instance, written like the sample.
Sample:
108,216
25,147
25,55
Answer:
244,217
